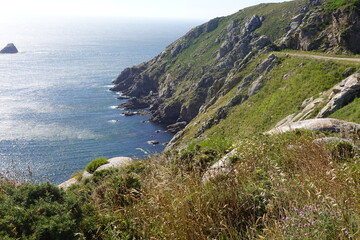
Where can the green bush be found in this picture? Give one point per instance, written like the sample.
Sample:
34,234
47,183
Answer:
38,212
94,164
342,151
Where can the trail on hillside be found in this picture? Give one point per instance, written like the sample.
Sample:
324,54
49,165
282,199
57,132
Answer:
320,57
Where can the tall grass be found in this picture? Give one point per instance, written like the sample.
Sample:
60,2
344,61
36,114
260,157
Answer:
280,187
283,187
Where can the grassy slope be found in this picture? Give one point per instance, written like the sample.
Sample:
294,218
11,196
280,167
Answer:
278,98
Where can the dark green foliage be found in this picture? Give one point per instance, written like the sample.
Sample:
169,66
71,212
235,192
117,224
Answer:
40,212
94,164
342,151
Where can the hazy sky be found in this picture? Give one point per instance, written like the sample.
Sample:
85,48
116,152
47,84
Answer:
191,9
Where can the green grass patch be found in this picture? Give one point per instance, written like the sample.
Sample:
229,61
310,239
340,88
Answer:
95,164
335,4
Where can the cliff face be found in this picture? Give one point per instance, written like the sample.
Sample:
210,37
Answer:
213,59
335,31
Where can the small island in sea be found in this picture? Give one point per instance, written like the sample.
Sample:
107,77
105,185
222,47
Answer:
9,48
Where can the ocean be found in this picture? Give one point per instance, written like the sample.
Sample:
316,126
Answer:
56,112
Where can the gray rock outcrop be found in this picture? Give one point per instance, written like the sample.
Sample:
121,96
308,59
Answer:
320,124
341,95
116,162
329,31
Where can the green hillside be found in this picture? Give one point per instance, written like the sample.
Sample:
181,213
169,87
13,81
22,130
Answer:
221,88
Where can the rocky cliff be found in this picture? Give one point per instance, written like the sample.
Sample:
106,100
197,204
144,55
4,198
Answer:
222,59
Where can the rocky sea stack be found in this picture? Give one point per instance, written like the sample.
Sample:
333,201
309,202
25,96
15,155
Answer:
9,48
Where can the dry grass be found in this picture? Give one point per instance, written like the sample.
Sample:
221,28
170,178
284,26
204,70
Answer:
282,187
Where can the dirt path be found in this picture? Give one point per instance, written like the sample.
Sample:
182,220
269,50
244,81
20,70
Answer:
321,57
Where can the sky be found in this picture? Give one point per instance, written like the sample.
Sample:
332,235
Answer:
177,9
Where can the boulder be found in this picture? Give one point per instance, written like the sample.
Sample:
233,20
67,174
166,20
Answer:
9,48
254,23
116,162
341,95
65,185
222,167
320,124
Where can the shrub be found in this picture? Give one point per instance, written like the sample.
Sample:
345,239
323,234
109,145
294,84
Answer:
38,212
342,151
95,164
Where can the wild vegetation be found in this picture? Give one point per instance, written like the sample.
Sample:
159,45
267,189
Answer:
95,164
294,185
280,187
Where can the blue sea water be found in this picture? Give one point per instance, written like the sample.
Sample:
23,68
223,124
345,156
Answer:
56,112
